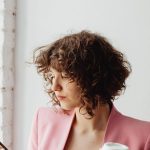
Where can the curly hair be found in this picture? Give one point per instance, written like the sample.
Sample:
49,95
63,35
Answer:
91,61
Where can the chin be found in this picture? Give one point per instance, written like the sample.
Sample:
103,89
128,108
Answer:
67,107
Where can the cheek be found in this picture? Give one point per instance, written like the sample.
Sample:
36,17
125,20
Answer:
73,90
77,93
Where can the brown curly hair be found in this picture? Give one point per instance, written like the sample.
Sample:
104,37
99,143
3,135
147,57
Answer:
91,61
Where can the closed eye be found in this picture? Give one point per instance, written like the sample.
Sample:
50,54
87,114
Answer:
64,76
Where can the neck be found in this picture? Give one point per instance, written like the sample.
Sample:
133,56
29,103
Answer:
97,123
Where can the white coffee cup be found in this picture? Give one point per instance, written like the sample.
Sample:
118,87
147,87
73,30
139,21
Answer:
114,146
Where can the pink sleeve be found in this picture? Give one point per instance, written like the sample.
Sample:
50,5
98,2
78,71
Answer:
147,146
33,138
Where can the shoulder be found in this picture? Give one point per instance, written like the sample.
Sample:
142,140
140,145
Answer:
53,111
133,122
47,114
129,124
127,130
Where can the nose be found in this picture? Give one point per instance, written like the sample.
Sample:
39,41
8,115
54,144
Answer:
56,85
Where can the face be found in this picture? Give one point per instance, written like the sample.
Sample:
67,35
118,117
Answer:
67,92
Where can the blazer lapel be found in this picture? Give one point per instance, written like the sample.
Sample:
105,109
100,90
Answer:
66,127
110,132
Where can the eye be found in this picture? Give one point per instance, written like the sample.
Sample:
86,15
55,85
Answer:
64,76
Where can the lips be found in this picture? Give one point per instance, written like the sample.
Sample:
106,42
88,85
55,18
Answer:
60,97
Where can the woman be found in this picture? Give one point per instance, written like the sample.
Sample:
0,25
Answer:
84,75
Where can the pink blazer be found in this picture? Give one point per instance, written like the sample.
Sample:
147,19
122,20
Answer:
51,128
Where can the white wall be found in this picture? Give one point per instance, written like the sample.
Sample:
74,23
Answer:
124,22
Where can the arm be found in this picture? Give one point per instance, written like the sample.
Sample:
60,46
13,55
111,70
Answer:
147,145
